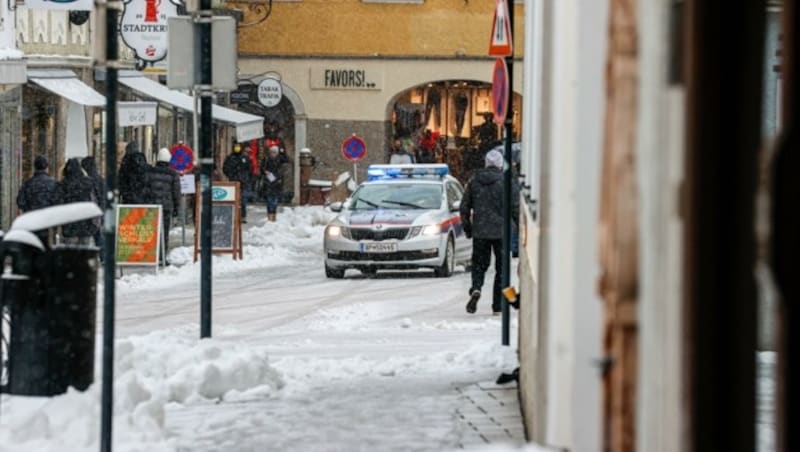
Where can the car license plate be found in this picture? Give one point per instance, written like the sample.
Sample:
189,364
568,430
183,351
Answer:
378,247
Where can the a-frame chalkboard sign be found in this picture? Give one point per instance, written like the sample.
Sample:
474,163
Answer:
226,225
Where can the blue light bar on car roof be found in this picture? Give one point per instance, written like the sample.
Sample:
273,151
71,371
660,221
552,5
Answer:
375,172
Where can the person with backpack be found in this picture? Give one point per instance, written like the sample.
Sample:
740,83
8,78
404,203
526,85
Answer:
165,188
76,186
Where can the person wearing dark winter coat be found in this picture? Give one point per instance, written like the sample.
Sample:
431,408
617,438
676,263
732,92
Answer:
482,216
237,169
76,186
165,188
133,172
89,166
38,192
272,185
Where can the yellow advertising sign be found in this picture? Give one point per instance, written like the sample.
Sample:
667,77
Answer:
138,234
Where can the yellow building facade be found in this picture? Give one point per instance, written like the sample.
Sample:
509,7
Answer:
379,69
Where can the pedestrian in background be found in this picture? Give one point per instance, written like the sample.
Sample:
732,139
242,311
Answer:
399,154
89,166
272,183
482,216
133,171
76,186
237,169
165,187
38,192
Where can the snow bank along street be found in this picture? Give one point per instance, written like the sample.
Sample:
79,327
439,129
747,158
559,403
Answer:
297,362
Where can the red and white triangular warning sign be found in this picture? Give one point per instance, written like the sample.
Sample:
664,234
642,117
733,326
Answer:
500,44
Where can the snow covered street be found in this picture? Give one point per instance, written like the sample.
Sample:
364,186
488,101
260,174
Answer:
298,362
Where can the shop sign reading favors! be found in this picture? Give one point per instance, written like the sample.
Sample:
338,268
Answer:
144,27
347,78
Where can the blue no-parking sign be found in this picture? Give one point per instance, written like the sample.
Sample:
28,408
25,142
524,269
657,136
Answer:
500,90
182,159
354,148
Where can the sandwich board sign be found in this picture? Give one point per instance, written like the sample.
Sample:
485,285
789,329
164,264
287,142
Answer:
500,43
139,234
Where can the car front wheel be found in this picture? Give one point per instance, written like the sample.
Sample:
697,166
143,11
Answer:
335,273
449,263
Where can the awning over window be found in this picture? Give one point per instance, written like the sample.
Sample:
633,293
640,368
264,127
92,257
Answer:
67,85
248,127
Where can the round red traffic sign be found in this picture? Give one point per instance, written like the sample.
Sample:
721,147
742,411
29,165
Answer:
182,159
354,148
500,90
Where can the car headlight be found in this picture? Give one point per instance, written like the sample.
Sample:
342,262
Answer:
431,229
334,231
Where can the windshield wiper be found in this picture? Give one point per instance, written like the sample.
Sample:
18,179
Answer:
368,202
401,203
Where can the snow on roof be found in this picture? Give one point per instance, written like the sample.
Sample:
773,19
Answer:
11,54
50,217
23,236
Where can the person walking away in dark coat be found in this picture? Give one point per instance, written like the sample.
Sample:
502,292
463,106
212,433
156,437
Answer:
482,216
165,188
273,183
237,169
38,192
76,186
89,166
133,172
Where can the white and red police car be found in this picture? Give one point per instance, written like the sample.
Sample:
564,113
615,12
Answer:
402,217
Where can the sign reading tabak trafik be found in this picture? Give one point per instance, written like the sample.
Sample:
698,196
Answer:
144,27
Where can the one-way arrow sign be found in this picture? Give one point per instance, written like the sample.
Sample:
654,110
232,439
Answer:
500,44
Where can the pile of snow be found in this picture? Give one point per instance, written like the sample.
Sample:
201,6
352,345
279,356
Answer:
297,235
150,372
478,358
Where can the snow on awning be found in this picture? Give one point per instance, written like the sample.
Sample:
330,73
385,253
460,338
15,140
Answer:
248,127
67,85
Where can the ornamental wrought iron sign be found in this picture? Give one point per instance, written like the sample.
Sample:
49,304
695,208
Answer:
144,27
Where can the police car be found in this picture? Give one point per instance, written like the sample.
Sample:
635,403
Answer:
402,217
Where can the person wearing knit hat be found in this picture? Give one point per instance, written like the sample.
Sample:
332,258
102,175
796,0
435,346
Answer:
236,168
165,188
272,181
482,216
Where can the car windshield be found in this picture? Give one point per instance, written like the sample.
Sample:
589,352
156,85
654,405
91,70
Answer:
397,196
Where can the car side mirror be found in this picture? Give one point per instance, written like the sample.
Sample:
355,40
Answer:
336,206
455,207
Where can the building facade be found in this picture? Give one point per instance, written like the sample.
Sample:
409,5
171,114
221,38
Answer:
377,69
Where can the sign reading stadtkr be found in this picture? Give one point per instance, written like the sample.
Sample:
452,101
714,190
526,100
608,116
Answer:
144,27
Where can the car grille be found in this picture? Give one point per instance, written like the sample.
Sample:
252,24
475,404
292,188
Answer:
379,257
378,235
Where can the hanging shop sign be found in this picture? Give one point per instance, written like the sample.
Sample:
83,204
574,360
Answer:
346,78
270,92
144,27
244,94
71,5
136,113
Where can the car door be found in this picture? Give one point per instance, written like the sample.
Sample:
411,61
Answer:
463,245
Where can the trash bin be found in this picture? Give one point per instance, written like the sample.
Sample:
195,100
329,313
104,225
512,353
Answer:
51,298
52,324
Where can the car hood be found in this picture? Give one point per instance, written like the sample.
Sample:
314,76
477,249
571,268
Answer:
389,217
